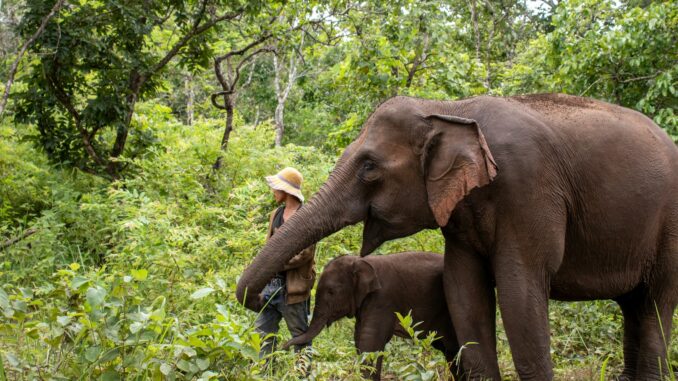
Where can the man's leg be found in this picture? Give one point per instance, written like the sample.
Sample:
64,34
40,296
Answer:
268,321
296,317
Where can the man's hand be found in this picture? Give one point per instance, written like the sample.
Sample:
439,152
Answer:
300,259
254,302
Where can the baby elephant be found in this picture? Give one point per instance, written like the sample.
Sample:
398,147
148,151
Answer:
373,289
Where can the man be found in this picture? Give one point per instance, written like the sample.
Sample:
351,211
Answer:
288,294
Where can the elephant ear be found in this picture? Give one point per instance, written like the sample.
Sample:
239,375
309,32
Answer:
455,160
365,281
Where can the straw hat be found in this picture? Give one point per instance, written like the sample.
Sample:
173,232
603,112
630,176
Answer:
287,180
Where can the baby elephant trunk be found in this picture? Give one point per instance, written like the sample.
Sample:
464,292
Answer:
317,325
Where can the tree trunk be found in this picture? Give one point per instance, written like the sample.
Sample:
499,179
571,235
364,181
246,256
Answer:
190,96
113,167
228,102
279,124
476,30
278,116
283,92
229,106
256,117
419,59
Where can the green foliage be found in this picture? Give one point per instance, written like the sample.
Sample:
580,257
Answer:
625,55
421,364
94,61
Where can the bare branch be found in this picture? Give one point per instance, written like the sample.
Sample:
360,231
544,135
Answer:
641,78
251,73
214,96
244,49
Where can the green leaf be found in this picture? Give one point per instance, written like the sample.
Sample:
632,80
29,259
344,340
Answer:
140,274
188,366
136,327
110,375
95,296
203,363
201,293
165,369
221,283
207,375
4,299
222,310
92,353
158,315
3,377
63,320
110,355
78,282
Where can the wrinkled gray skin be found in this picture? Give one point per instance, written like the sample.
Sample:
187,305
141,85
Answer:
373,289
570,198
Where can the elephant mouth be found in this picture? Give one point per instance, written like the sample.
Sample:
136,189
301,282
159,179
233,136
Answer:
373,233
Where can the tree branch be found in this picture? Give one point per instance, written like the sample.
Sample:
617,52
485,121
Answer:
644,77
24,47
65,101
195,30
14,240
214,96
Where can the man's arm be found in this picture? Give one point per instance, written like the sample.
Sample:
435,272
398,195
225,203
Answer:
301,259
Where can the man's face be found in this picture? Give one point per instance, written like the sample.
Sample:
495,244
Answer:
279,195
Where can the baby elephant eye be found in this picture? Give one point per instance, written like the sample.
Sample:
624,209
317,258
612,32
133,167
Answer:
369,165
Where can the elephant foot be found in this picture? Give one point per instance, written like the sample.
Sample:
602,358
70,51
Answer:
623,377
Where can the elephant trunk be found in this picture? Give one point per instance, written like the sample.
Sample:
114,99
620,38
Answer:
323,215
317,325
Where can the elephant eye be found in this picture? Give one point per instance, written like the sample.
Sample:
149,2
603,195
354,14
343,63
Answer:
369,165
369,172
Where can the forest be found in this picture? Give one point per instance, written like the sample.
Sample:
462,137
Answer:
135,137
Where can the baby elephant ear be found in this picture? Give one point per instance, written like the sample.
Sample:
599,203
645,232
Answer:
365,281
455,160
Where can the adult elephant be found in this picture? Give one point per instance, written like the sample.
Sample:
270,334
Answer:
540,196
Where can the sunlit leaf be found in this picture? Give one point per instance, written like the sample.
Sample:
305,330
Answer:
201,293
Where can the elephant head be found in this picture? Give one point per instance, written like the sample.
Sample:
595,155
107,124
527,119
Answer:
343,285
413,161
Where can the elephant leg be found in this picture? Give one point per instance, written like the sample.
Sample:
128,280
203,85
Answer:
524,311
628,305
652,312
471,302
450,351
372,332
647,329
450,357
526,258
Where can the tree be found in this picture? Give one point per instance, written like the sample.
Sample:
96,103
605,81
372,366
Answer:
96,60
22,50
284,86
262,34
235,60
620,53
